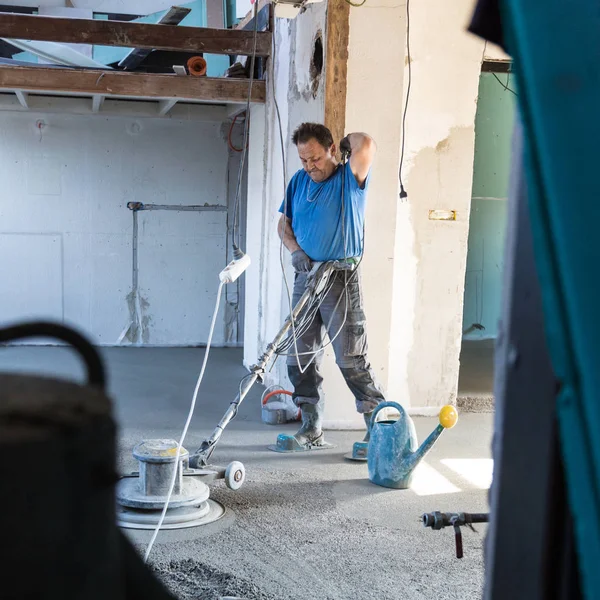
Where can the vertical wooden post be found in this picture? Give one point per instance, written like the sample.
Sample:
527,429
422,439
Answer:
336,67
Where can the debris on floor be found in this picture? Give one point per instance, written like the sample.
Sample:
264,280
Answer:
191,580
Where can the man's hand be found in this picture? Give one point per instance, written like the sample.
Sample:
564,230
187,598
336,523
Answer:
362,150
301,262
345,147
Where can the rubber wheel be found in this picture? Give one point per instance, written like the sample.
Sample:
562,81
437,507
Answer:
235,474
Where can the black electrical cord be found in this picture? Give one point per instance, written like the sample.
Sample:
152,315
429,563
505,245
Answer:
314,304
505,86
403,193
237,253
306,319
95,368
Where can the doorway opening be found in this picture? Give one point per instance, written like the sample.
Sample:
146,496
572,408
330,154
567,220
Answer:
484,273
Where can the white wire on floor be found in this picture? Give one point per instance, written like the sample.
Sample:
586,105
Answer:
187,425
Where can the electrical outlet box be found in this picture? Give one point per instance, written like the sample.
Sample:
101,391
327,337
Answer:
442,215
234,269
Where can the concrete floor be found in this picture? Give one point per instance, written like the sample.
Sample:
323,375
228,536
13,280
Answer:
303,526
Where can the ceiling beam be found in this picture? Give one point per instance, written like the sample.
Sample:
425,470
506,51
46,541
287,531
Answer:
136,56
22,97
97,101
133,35
496,66
164,106
91,82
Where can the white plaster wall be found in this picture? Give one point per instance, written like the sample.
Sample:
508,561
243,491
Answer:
413,270
430,256
373,75
66,232
494,52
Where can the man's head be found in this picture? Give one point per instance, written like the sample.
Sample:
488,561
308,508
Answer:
316,150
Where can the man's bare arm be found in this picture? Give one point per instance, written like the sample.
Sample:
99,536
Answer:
362,154
300,260
287,234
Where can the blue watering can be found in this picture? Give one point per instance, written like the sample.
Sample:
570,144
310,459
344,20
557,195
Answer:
394,451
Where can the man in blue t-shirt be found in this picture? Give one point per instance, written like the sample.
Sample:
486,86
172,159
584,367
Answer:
323,219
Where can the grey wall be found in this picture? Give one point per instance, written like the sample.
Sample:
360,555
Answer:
66,232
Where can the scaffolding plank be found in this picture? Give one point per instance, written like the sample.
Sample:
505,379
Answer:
127,84
133,35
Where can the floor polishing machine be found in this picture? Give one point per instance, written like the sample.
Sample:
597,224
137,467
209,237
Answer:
142,494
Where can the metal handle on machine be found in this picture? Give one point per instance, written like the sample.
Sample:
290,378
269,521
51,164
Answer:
317,279
95,369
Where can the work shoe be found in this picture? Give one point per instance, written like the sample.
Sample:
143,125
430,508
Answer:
311,433
367,418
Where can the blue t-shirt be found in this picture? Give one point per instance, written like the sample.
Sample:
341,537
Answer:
316,213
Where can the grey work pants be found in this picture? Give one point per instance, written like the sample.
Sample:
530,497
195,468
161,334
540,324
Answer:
349,345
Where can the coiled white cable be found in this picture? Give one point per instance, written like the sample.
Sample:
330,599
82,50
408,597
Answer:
186,426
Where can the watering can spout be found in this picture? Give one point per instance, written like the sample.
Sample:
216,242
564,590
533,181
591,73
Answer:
447,417
393,449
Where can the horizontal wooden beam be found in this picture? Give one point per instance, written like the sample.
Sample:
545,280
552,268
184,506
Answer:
133,85
496,66
133,35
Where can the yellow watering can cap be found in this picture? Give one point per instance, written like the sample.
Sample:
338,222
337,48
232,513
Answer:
448,416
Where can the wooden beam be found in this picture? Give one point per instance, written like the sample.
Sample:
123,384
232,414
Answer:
173,16
97,101
496,66
336,67
133,85
164,106
133,35
22,98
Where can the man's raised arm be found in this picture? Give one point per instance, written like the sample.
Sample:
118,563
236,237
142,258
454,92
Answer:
362,149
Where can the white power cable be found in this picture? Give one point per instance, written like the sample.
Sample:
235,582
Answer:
219,293
187,425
